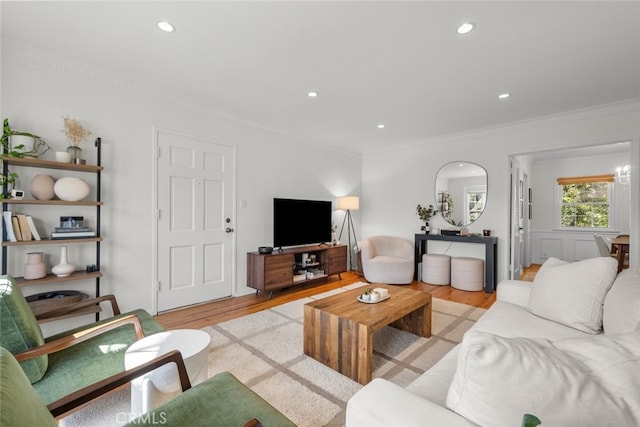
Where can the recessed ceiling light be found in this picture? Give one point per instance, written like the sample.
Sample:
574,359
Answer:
312,94
381,126
466,28
166,26
504,95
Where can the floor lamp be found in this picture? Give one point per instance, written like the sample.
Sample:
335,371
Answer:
349,203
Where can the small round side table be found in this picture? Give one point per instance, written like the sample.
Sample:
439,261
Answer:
162,384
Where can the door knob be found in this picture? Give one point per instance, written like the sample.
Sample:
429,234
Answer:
229,230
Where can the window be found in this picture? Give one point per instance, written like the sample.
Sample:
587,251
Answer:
585,202
476,196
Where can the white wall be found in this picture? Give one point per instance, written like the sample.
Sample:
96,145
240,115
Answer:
38,92
394,182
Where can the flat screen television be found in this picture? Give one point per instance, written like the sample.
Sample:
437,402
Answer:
301,222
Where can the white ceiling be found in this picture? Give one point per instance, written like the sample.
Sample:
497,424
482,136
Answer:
397,63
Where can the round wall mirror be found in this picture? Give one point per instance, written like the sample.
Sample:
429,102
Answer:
461,192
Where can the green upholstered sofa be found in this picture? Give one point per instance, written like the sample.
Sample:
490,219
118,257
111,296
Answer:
59,365
219,401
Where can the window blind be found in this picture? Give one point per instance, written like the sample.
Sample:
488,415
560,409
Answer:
585,179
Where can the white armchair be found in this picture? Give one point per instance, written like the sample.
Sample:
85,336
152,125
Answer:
387,259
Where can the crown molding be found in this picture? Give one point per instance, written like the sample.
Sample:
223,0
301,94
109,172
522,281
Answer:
46,60
632,105
81,71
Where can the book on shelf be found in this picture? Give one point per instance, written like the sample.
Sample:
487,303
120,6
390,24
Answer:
16,228
25,231
32,227
73,235
8,226
72,229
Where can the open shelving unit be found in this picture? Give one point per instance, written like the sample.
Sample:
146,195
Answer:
12,162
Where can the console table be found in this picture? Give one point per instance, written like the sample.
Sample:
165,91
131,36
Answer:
490,254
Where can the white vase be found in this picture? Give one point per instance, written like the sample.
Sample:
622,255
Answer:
63,269
71,189
35,268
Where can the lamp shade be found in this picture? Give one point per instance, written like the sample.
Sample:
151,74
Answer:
349,203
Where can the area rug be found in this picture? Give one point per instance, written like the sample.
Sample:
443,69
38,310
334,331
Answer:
264,351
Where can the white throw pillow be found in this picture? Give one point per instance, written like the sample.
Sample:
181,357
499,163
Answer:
573,293
590,381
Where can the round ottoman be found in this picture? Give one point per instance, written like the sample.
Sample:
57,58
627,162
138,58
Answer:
467,274
436,269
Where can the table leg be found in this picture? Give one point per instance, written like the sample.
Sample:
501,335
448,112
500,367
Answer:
620,256
364,349
417,322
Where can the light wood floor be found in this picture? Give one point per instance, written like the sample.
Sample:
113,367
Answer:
201,315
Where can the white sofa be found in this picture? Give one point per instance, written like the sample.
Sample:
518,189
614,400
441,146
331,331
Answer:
513,361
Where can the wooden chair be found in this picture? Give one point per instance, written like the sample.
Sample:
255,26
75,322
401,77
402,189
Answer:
64,363
219,401
606,251
603,248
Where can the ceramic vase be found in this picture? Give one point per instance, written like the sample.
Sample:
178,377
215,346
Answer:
42,187
63,269
71,189
35,268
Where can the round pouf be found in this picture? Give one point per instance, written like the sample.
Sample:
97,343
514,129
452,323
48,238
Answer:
436,269
467,274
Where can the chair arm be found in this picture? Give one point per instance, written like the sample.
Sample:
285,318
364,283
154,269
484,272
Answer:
81,336
70,308
366,250
89,393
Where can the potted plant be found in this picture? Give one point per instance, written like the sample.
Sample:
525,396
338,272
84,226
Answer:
18,144
76,134
425,215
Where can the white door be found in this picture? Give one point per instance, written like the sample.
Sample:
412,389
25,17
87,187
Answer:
194,220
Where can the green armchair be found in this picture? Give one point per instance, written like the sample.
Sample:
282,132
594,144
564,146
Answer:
64,363
221,400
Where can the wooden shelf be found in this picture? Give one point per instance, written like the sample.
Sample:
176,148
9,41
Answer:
51,202
80,312
48,164
8,204
52,242
52,278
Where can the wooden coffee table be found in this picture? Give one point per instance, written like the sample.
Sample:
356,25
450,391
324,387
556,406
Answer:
338,330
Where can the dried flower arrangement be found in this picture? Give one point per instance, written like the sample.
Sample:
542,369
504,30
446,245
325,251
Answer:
74,131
